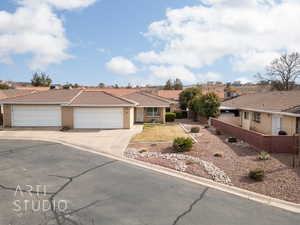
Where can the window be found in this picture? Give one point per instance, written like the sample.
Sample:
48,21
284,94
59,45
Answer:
298,126
246,115
152,112
168,110
256,117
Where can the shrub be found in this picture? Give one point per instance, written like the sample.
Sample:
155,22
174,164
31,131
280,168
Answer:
143,150
263,156
195,130
218,154
182,144
170,117
257,174
181,115
232,140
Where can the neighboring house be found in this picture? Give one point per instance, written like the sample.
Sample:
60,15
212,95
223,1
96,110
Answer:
266,113
150,108
173,96
9,94
81,109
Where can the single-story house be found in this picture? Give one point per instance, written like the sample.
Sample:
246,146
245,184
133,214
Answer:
173,96
81,109
266,113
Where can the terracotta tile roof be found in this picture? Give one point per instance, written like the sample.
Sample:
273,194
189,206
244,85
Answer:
50,96
147,100
99,98
274,101
169,94
32,88
219,93
13,93
117,91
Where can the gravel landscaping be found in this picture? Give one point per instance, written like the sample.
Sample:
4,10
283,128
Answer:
231,166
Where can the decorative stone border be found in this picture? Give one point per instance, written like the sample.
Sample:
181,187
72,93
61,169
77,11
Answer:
215,172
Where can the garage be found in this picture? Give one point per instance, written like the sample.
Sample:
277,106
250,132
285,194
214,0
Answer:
98,118
36,116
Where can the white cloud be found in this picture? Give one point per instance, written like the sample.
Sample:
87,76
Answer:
253,61
121,65
59,4
250,32
34,28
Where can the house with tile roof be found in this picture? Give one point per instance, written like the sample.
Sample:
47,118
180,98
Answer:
267,113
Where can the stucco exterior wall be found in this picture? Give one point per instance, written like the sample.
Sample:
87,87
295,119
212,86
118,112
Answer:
6,116
289,124
265,125
175,107
128,117
67,117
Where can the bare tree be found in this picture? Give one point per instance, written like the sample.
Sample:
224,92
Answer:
285,70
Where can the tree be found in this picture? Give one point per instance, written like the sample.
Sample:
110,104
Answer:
101,85
41,80
168,85
187,96
285,70
206,105
129,86
178,84
116,86
4,86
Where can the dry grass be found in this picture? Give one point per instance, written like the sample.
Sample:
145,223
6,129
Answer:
159,133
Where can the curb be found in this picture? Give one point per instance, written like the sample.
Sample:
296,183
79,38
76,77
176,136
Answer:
270,201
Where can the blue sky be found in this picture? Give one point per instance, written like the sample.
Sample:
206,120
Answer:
141,41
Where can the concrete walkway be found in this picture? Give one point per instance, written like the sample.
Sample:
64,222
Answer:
112,142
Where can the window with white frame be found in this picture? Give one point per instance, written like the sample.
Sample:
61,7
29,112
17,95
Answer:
152,112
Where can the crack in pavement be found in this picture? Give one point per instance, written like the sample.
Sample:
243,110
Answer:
61,217
178,218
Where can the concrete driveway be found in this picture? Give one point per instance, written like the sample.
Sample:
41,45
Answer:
112,142
99,190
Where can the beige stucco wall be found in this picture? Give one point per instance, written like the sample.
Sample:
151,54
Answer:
289,124
128,118
265,126
161,118
67,118
6,115
175,107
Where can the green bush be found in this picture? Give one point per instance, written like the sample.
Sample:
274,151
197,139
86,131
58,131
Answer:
182,144
170,117
218,155
263,156
181,115
257,174
195,130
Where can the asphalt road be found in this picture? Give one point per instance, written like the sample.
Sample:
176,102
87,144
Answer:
82,188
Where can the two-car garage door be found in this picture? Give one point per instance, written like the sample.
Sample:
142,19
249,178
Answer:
98,118
36,116
51,116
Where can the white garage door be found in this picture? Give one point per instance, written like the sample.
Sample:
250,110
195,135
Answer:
98,118
36,116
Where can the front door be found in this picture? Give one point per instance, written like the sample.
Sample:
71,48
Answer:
276,124
139,115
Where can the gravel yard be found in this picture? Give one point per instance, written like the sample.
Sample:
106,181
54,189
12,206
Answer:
237,159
